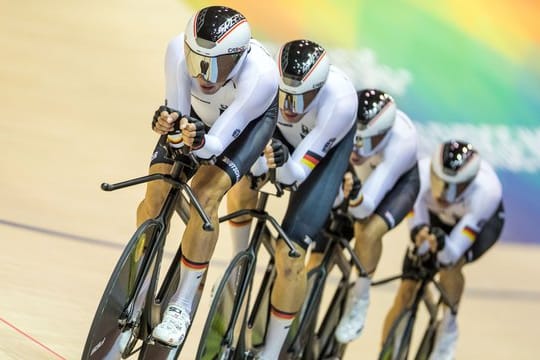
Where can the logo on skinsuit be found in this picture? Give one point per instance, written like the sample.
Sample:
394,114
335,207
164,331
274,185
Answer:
233,167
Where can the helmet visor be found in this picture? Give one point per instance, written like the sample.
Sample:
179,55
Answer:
365,146
446,191
296,103
213,69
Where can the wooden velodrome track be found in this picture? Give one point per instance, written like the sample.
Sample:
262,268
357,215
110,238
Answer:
78,84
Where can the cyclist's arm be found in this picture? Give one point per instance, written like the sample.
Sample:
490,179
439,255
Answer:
335,119
483,206
256,89
419,214
399,157
177,80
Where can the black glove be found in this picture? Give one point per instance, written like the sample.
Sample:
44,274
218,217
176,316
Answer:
281,152
161,109
356,187
341,224
416,267
440,235
198,140
415,230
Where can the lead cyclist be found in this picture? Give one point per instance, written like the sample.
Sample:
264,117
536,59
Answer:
221,88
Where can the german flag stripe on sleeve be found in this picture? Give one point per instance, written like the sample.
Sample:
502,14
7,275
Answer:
469,232
311,159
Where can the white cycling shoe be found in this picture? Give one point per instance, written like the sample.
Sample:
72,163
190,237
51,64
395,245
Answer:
351,324
174,326
445,341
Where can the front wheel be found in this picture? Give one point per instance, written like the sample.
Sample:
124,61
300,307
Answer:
326,344
221,331
117,322
428,340
397,344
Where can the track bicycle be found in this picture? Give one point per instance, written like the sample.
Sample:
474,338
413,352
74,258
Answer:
312,334
225,336
233,326
134,299
397,344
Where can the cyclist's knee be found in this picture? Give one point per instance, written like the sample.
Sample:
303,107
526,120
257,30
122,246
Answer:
210,185
156,191
452,272
370,230
289,267
241,196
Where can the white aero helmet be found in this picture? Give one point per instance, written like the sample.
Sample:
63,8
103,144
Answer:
216,39
454,166
376,116
303,69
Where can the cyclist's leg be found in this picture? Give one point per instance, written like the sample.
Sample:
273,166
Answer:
368,247
389,213
453,282
309,208
403,298
209,184
286,298
245,153
241,196
156,191
315,259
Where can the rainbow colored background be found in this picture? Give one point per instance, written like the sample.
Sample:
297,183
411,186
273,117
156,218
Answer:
467,69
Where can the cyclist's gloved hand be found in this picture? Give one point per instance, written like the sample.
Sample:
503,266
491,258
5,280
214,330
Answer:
419,232
341,224
416,266
193,131
164,119
276,153
351,185
440,237
432,236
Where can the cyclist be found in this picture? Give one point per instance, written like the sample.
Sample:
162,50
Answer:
385,180
221,92
459,214
312,142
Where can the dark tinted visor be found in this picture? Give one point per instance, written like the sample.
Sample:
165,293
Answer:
296,103
365,145
214,69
